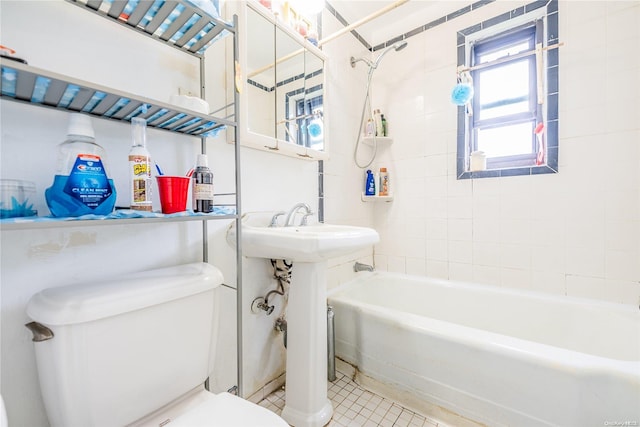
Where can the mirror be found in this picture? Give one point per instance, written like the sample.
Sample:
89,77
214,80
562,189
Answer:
261,78
284,87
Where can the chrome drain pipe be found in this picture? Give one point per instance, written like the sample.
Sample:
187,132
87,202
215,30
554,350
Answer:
331,345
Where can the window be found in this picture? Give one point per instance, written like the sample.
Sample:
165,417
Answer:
505,102
512,118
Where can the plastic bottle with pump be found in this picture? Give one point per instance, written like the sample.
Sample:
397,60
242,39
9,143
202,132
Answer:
81,184
385,131
139,167
202,178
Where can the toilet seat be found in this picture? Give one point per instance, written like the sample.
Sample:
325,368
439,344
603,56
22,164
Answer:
227,410
201,408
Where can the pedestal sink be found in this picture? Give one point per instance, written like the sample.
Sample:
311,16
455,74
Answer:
309,247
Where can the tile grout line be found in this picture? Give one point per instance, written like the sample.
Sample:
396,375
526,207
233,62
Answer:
356,406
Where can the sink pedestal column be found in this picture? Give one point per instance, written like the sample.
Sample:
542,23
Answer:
307,404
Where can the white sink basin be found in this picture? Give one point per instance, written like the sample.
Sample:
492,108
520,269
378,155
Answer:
309,243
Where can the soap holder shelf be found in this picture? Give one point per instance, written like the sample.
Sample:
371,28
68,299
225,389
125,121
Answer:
381,140
375,199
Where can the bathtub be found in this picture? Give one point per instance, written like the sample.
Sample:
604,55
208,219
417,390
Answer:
496,356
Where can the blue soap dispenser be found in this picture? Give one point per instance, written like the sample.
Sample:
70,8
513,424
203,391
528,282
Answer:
370,187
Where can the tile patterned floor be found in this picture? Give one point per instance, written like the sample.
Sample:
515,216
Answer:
354,406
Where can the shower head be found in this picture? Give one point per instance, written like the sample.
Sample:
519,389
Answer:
400,45
396,46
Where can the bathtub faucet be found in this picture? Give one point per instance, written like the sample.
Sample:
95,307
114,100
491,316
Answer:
292,212
358,266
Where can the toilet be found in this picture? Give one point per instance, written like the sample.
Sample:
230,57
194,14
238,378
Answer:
135,352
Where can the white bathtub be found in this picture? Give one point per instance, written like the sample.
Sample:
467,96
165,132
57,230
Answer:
499,357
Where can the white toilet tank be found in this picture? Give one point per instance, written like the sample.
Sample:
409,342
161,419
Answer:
124,348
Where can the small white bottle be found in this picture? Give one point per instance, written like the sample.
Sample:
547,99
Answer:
370,129
140,167
377,118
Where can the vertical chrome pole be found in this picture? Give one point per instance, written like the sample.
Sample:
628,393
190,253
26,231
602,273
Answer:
236,115
203,150
331,345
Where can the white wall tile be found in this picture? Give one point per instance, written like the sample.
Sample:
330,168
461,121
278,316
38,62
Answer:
396,264
585,261
547,281
460,207
460,229
486,275
622,265
460,271
625,292
515,278
437,249
515,256
460,252
486,230
515,231
416,266
486,254
548,259
436,228
437,269
587,287
622,235
547,232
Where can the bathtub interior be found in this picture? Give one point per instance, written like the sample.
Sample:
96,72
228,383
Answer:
576,324
485,373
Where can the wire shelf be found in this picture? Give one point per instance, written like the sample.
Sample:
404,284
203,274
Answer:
176,23
24,83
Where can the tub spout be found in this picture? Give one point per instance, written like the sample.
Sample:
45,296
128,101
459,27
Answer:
39,331
358,266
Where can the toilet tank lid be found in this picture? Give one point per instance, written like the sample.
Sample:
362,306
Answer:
84,302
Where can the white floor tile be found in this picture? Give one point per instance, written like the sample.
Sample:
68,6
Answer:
357,407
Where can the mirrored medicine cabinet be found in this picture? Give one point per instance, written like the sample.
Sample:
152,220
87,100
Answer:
283,100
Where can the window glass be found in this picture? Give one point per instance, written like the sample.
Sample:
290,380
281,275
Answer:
507,140
504,90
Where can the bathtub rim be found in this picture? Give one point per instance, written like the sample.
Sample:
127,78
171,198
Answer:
570,299
481,338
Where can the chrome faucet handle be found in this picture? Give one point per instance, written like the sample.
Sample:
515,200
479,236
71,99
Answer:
304,218
274,218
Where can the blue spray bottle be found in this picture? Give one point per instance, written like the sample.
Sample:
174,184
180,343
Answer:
370,186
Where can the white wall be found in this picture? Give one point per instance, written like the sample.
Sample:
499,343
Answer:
343,181
572,233
61,37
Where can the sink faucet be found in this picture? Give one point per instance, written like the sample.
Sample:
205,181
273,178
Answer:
292,212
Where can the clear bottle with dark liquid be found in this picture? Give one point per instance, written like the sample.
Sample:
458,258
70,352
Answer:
202,186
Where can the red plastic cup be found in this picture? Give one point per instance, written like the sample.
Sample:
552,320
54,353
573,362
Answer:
173,192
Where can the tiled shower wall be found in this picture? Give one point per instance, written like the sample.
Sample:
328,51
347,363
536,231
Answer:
575,233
